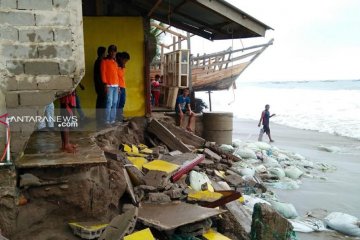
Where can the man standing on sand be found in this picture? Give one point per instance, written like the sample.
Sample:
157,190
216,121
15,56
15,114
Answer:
110,77
183,107
265,119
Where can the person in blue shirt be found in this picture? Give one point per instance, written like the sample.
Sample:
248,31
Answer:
183,107
265,119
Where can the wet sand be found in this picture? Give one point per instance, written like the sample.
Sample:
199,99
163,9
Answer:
339,192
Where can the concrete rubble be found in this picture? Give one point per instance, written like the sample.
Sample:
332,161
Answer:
168,189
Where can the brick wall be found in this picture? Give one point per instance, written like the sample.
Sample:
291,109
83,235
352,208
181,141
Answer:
41,57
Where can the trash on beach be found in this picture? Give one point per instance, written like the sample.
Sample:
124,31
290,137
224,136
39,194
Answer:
287,210
278,171
343,223
332,149
250,201
308,225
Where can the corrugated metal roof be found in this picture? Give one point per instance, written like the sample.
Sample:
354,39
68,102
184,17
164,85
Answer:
211,19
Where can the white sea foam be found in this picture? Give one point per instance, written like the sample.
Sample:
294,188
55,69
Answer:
323,109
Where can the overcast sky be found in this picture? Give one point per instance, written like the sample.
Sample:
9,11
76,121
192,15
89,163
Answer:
314,40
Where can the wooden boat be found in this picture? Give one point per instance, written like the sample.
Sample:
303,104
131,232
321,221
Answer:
219,71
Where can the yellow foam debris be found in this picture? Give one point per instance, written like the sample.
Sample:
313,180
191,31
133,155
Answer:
143,235
138,161
134,149
214,235
127,148
160,165
204,196
241,200
89,227
142,146
146,150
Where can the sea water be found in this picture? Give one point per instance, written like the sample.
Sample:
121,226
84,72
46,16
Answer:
325,106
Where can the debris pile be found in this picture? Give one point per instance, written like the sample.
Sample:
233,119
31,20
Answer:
186,188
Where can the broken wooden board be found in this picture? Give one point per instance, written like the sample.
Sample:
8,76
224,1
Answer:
236,208
166,136
187,167
185,136
172,215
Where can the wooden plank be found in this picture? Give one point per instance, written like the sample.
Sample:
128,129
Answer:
236,208
185,136
166,136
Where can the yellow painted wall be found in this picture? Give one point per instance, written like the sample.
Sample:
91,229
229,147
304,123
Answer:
127,33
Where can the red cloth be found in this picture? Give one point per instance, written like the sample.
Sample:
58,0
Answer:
156,95
69,101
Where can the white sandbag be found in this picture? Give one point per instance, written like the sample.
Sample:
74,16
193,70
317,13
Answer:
308,225
293,172
284,184
247,171
263,145
253,147
343,223
282,157
227,148
197,180
287,210
237,143
245,153
332,149
250,201
271,162
279,172
297,156
305,163
260,169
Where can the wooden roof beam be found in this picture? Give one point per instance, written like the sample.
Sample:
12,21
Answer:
168,30
154,8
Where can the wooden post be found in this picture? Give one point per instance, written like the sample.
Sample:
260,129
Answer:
179,43
146,25
174,45
162,61
209,92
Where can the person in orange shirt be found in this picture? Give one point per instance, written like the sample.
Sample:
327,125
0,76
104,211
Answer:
110,77
121,59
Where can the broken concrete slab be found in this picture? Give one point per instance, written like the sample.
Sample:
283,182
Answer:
166,136
267,223
210,154
121,225
129,187
158,197
88,230
234,180
157,179
172,215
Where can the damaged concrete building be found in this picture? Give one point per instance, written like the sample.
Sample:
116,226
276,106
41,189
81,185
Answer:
46,48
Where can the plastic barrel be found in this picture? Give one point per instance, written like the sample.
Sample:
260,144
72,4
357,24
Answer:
218,127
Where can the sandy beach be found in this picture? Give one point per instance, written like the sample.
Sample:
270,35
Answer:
340,191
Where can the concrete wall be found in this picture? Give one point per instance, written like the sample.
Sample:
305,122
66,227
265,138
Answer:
41,57
128,34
